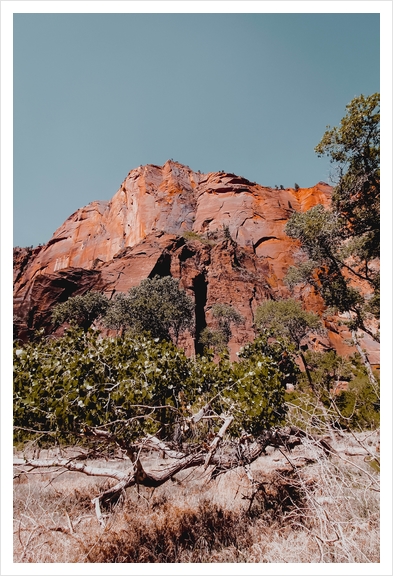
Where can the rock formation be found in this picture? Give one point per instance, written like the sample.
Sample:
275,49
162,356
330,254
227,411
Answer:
220,234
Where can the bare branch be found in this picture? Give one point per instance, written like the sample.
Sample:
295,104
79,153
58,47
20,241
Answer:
72,466
217,440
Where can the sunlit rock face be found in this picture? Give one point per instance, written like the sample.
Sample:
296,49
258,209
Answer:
220,234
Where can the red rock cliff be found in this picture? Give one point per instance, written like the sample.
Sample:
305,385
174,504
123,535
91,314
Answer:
234,249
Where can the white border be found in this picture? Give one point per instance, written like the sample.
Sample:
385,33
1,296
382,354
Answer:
8,8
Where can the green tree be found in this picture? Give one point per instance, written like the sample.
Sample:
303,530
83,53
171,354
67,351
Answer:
325,264
354,149
344,242
213,340
157,306
287,319
84,310
353,405
341,245
218,339
84,379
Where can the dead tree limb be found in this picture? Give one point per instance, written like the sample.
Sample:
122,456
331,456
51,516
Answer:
219,436
222,457
71,465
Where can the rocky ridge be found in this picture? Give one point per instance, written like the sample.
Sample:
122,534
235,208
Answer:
221,235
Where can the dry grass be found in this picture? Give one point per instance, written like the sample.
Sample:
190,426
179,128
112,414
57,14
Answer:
282,511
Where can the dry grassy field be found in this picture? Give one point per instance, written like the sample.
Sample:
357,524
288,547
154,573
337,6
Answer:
288,507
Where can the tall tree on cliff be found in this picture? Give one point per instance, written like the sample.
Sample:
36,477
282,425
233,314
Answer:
341,245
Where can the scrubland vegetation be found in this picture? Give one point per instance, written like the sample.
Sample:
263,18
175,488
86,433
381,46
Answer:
252,473
292,506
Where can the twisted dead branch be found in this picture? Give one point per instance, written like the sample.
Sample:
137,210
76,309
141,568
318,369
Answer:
220,456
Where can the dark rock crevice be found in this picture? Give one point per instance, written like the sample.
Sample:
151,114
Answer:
162,267
264,239
199,287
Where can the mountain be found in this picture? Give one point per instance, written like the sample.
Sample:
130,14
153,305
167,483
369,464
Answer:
221,235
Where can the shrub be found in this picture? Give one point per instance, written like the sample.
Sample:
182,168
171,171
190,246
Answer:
84,310
191,236
81,379
158,306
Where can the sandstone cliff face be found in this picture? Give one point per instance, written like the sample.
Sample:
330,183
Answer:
234,249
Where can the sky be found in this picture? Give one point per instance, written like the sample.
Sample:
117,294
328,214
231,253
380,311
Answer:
96,95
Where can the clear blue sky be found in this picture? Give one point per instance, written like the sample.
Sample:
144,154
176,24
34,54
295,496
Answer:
96,95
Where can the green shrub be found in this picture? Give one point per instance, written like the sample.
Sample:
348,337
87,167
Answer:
81,379
191,236
356,407
158,306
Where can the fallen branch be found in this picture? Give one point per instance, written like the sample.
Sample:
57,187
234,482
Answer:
70,465
228,457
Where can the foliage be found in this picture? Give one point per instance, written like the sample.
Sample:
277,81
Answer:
287,319
279,349
217,339
354,405
226,232
213,340
83,309
354,148
341,245
326,266
359,405
225,316
328,369
191,236
157,306
82,379
119,313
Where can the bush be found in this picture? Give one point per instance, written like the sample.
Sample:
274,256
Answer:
81,380
191,236
82,309
355,407
157,306
224,315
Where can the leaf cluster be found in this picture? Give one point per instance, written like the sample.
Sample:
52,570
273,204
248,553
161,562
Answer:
157,306
83,309
217,339
287,319
138,385
354,147
341,245
353,406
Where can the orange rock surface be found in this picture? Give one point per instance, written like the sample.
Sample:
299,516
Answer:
220,234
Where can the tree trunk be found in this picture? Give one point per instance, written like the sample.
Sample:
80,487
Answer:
366,362
307,370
